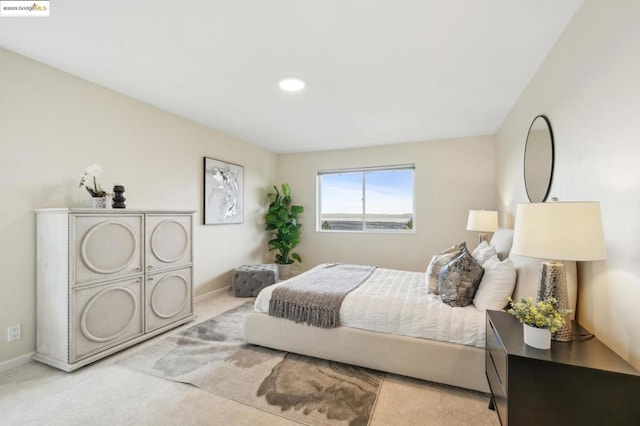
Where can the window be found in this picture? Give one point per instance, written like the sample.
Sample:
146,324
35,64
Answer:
376,199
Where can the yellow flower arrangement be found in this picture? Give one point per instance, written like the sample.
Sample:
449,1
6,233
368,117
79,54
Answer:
542,314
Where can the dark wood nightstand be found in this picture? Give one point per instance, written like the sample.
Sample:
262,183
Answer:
574,383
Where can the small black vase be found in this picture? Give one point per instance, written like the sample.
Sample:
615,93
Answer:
118,197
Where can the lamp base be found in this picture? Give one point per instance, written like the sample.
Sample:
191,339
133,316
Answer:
553,283
482,236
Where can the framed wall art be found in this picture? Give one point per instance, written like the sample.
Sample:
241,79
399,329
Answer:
223,192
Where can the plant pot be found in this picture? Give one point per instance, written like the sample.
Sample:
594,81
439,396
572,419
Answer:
98,202
539,338
284,271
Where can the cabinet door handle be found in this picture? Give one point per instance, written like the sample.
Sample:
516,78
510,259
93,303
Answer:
138,269
150,279
150,267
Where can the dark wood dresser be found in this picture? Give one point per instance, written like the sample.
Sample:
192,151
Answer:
574,383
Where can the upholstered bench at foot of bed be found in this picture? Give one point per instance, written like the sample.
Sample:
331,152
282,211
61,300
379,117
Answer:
248,280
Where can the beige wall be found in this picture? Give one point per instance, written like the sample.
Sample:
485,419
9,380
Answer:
53,125
590,90
451,177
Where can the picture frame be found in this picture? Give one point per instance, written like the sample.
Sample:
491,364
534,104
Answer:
223,192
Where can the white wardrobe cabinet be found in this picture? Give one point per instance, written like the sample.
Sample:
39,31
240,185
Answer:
108,279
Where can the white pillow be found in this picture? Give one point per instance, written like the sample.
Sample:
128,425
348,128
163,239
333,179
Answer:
483,252
496,285
502,240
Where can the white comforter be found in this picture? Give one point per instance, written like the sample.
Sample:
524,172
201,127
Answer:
397,302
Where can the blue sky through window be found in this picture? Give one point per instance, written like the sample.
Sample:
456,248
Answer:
387,192
341,193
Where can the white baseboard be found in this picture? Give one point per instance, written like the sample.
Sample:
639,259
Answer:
16,362
213,293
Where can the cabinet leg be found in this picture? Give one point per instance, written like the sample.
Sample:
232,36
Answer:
491,404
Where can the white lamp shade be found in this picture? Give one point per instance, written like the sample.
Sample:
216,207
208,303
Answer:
559,231
482,220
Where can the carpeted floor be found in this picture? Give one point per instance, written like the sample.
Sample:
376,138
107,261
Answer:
106,393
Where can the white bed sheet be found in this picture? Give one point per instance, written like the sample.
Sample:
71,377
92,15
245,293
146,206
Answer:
392,301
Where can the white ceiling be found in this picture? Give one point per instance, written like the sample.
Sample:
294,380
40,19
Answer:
377,71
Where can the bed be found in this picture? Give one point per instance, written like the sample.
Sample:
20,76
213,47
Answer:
382,347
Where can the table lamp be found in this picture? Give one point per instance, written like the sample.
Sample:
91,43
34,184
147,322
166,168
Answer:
559,231
482,221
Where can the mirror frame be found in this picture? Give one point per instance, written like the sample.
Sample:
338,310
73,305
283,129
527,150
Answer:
551,170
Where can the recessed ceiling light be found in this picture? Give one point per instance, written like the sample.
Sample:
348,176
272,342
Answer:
291,84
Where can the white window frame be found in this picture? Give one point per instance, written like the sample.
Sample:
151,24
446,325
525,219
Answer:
364,171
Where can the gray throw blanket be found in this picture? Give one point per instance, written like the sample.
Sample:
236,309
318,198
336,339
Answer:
315,298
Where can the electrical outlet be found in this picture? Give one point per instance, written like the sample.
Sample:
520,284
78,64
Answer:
14,332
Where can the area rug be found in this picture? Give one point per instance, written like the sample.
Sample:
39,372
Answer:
213,356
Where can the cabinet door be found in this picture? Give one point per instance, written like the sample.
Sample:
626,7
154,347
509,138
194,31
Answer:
168,241
104,316
168,297
105,247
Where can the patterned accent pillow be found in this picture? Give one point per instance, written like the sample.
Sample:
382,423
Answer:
483,252
459,280
437,262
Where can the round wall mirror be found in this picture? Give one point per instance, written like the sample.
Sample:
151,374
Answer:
538,160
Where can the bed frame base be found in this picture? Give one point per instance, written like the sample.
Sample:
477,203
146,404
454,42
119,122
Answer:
441,362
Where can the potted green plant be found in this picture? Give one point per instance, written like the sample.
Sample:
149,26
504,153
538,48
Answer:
539,319
281,221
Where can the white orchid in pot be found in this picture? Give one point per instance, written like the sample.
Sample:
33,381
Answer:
98,195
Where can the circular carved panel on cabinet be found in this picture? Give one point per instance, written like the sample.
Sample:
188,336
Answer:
169,241
108,314
109,247
170,296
